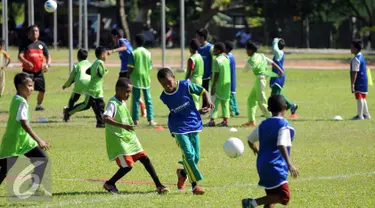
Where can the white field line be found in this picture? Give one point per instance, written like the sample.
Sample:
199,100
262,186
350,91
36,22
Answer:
115,197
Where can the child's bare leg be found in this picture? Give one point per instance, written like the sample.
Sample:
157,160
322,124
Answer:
269,206
268,201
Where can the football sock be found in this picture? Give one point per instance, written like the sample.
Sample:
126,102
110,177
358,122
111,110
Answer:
254,203
360,107
151,170
365,108
193,185
119,174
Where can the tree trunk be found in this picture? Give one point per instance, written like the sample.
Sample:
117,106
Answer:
306,32
124,22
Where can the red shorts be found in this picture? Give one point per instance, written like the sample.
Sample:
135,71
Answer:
124,161
282,192
359,96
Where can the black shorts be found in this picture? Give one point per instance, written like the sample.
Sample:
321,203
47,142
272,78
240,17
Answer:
124,74
38,78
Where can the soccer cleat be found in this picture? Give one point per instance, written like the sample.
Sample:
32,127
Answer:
223,124
110,188
100,125
355,118
237,113
210,124
293,116
367,117
136,123
198,191
39,108
181,179
66,114
252,123
152,123
246,203
293,109
162,190
41,191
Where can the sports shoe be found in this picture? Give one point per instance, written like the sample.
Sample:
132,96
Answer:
136,123
162,190
66,114
293,109
357,118
181,179
110,188
41,191
223,124
198,191
252,123
152,123
100,125
39,108
367,117
210,124
246,203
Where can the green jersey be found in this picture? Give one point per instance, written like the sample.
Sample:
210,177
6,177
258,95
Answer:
140,61
79,77
97,72
16,141
198,64
120,141
258,64
222,67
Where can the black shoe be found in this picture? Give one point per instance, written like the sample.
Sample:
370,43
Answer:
66,114
39,108
100,125
293,109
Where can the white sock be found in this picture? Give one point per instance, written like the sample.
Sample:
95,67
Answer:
38,106
360,107
365,108
254,203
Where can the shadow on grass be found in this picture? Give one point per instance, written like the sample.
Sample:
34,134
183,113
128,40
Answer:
76,193
4,112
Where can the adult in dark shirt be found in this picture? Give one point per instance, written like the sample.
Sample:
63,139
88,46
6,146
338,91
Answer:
31,54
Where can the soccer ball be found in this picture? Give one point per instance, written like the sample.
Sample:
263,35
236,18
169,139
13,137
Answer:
234,147
50,6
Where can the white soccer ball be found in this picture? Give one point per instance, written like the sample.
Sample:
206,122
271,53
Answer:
338,118
234,147
50,6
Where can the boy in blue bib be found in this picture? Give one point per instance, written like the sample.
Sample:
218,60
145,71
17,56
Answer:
184,122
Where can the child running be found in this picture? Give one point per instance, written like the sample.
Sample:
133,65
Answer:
232,62
359,80
19,138
80,79
277,83
121,139
184,122
195,68
140,66
4,62
258,63
94,96
220,90
275,136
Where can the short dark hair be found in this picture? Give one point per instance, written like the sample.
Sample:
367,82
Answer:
164,73
229,45
20,79
194,44
123,83
276,103
219,46
99,51
31,27
357,43
252,46
281,44
203,33
2,41
140,39
117,32
82,54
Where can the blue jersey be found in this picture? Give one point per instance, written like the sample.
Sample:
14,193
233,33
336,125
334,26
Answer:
271,165
205,52
278,80
232,63
183,117
124,55
361,83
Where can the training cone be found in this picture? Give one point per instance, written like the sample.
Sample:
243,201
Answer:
159,128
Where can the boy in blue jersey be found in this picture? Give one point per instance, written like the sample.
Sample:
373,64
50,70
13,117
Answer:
359,80
232,62
206,51
184,122
277,83
275,136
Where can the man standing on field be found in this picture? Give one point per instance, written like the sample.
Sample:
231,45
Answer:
30,54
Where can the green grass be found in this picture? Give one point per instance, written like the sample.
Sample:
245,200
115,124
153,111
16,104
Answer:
173,55
336,160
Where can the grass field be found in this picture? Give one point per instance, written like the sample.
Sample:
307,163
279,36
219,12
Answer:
336,160
174,55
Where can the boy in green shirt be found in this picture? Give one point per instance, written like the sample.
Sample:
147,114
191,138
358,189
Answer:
19,138
94,96
195,68
79,77
220,89
139,65
121,139
258,63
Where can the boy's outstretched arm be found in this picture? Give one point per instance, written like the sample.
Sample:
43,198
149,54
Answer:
109,120
119,49
42,144
70,80
292,169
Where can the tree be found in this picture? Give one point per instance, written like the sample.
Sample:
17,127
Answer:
124,22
